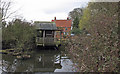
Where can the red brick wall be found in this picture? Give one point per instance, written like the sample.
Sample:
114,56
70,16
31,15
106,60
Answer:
63,24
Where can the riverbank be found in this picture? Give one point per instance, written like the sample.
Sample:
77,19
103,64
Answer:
18,55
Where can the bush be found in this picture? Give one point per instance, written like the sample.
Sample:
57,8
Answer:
19,35
98,52
76,31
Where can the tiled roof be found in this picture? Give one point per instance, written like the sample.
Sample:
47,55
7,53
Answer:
46,26
63,23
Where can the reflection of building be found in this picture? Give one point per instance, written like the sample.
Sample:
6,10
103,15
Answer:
40,61
43,61
65,25
47,63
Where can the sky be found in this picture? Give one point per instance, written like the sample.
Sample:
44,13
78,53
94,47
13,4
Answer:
45,10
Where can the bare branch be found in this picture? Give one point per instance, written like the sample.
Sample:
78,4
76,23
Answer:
4,8
9,15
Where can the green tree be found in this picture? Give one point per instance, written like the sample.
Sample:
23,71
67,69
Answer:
77,12
76,23
84,21
18,35
76,15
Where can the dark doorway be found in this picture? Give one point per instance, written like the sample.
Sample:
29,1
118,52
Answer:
49,33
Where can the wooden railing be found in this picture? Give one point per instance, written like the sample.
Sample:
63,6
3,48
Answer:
47,40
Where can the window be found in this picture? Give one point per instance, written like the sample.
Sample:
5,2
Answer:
65,28
64,33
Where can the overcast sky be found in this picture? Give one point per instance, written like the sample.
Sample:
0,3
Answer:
46,10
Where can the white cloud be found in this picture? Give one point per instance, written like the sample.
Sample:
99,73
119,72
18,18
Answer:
46,9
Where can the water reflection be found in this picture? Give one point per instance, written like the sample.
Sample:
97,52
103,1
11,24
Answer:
41,61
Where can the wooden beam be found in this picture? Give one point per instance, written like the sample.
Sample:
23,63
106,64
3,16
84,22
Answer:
43,37
60,36
54,36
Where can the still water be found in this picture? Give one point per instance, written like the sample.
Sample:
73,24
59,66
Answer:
47,60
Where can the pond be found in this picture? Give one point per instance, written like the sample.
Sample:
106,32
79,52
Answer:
47,60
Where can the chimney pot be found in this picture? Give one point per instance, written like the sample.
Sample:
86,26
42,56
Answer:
54,18
67,18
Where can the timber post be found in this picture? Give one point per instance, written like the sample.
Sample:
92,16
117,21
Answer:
54,36
60,36
43,37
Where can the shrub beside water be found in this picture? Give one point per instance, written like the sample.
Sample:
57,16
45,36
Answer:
18,35
98,51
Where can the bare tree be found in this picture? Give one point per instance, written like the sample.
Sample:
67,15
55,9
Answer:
5,7
5,11
0,18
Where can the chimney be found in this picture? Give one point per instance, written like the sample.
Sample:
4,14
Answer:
54,18
67,18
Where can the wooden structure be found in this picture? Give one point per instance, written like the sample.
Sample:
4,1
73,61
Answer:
46,34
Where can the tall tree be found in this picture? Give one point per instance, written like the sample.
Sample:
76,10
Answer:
5,10
76,22
77,12
0,15
84,21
